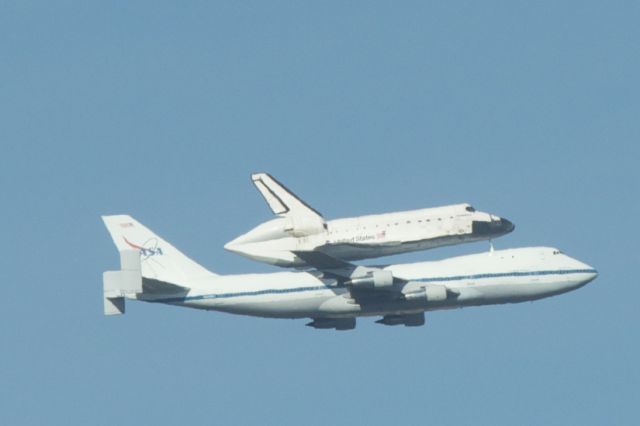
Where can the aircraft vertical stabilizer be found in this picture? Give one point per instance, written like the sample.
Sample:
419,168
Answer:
148,264
302,219
280,199
160,260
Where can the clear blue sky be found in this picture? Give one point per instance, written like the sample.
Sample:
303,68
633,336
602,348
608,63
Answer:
163,109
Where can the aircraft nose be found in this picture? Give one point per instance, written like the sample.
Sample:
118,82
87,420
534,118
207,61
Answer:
587,276
495,226
590,271
502,225
506,225
587,273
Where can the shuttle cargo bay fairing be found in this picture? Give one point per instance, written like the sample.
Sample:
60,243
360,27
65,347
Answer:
336,292
298,227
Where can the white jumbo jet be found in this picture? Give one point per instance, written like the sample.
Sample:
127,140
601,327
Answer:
299,227
335,292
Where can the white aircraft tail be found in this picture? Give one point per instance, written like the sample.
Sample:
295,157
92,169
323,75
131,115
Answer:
280,199
302,219
144,255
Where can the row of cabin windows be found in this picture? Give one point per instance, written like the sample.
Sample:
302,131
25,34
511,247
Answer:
394,224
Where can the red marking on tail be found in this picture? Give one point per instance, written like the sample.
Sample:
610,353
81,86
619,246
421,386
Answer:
131,244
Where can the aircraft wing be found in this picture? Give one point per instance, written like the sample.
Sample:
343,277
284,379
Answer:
372,244
365,283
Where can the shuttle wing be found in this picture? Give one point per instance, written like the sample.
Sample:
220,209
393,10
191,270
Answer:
371,244
323,262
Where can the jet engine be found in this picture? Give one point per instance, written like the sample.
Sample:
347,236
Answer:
432,293
408,320
335,323
378,279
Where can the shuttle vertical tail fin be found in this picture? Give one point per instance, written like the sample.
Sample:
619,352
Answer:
280,199
301,219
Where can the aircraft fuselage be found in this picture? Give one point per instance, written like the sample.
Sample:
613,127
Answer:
505,276
370,236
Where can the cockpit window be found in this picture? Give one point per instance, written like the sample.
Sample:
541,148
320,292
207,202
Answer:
470,209
557,252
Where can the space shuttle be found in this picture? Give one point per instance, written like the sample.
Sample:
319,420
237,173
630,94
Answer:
299,228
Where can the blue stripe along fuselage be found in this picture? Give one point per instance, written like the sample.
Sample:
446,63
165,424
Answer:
507,274
325,287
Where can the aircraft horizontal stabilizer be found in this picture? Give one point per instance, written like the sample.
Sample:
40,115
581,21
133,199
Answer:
125,282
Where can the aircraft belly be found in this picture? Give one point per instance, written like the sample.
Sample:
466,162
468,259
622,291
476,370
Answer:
489,294
280,307
320,304
332,303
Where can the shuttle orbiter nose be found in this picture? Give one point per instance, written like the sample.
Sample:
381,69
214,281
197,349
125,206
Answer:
496,226
506,225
